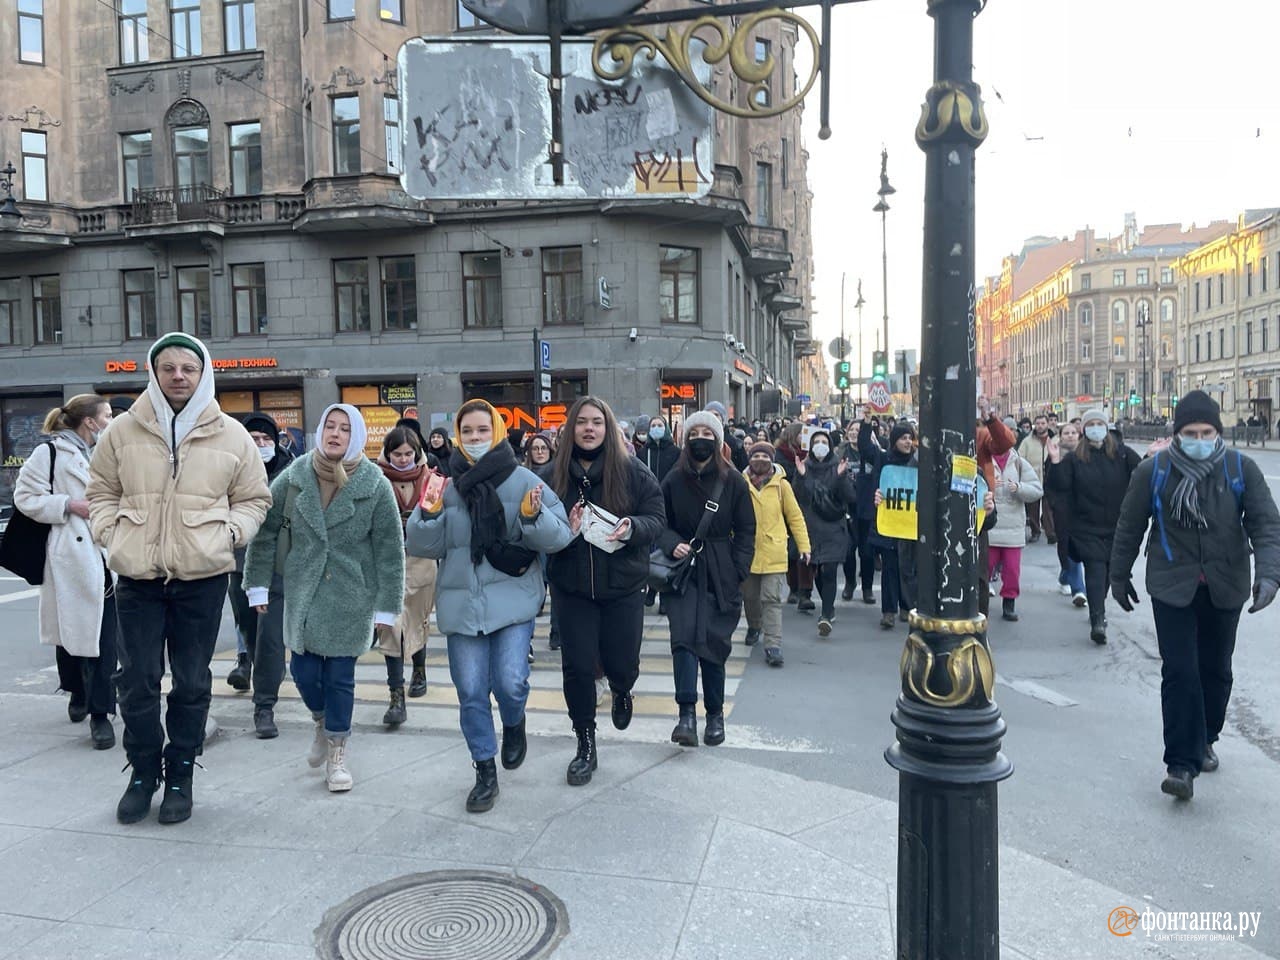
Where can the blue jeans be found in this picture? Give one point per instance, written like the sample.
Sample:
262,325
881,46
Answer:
1072,575
327,686
496,663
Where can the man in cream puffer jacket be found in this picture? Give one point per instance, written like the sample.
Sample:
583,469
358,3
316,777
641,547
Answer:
175,487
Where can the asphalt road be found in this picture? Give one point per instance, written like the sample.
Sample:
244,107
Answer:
1083,733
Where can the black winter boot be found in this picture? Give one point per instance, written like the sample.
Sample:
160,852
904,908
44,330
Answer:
396,713
238,678
418,682
806,604
623,703
686,731
1007,612
713,735
514,745
1097,628
176,805
136,802
485,792
584,762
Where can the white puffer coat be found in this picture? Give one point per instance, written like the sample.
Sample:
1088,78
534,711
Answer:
1010,529
74,569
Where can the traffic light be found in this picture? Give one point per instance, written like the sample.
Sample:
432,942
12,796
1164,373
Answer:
879,364
842,375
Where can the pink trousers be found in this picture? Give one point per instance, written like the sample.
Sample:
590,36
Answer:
1008,560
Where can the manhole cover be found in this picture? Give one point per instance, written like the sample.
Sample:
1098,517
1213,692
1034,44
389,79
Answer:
446,915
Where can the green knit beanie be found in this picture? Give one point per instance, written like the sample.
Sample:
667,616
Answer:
176,339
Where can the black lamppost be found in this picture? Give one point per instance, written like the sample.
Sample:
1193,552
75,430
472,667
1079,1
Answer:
882,208
1143,323
948,726
10,215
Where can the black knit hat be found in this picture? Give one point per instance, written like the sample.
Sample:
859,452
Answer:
1197,407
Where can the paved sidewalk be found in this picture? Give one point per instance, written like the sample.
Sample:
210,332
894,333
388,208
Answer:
666,854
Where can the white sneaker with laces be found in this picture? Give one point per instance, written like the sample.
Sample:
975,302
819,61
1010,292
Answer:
1064,589
1079,599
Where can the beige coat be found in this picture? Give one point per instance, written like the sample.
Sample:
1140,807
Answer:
419,596
180,517
71,598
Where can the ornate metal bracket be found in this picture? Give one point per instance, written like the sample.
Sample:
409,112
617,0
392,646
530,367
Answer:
615,52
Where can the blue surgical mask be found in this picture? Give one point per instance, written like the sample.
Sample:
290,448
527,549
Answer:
658,432
267,453
1198,449
476,450
1096,432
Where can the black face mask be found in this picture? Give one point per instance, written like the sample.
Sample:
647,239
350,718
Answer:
587,455
702,449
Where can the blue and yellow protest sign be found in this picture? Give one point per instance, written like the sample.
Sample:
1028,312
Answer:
898,516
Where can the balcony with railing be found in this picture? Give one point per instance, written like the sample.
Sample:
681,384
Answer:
156,211
196,203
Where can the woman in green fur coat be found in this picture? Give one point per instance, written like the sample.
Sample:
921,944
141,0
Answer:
343,574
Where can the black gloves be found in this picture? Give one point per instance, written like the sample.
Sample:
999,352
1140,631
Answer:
1264,591
1126,596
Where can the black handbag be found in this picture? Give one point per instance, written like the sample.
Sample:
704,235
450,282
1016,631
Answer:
666,573
25,544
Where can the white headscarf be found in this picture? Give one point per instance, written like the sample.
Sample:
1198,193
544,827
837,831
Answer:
359,432
178,425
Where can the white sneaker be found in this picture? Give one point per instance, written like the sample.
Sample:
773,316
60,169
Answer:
336,774
991,588
1079,599
320,745
1064,589
602,691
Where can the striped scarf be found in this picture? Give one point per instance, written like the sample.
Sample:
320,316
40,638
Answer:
1184,505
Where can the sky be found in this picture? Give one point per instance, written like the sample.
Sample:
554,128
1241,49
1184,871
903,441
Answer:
1165,109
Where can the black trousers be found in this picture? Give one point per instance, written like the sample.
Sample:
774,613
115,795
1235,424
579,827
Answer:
395,667
604,632
866,554
1097,582
180,617
263,637
908,575
850,564
89,680
685,666
1196,645
890,579
825,577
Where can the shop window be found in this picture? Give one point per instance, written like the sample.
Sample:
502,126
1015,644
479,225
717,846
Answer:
399,293
21,422
678,294
10,310
482,289
249,298
283,406
195,315
381,405
46,306
140,304
513,399
561,285
351,295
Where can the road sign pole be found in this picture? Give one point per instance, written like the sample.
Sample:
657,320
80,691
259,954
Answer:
534,381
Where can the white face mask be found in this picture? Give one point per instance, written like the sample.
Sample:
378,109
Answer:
1096,432
476,450
267,453
820,450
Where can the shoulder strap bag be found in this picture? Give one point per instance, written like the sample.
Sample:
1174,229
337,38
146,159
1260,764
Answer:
669,574
25,544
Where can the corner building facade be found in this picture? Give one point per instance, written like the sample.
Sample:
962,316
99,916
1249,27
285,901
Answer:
231,168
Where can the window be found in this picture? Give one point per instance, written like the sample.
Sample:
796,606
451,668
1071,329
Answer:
1248,279
762,54
1208,294
1117,278
1197,296
1086,281
764,194
391,122
1166,310
1086,314
1197,348
191,156
762,50
678,299
468,20
351,295
1086,384
1166,274
342,9
133,31
46,306
1117,350
1222,288
1248,337
35,165
1084,349
31,31
1262,335
346,134
10,309
561,285
1120,383
249,298
1142,276
1208,345
135,154
241,23
391,11
482,289
399,294
1262,273
306,16
184,28
140,304
1119,312
194,312
246,158
1222,342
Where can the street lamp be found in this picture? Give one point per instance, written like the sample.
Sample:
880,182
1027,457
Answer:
1143,323
10,215
882,208
948,727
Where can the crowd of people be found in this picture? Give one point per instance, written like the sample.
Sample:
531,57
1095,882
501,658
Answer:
161,514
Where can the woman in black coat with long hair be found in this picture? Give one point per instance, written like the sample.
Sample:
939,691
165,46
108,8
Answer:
1093,481
598,595
704,615
825,487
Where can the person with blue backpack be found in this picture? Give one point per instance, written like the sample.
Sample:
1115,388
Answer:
1208,509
